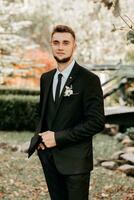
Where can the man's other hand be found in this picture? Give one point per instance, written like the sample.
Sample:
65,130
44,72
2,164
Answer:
41,146
48,138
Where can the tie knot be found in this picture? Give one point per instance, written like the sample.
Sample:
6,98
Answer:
59,76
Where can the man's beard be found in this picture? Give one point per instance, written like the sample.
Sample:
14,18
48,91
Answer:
64,60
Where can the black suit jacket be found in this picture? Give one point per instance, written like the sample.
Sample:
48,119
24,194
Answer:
77,118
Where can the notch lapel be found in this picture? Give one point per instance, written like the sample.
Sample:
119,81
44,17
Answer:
71,78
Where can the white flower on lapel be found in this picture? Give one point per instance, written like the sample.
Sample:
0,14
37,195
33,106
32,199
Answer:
68,91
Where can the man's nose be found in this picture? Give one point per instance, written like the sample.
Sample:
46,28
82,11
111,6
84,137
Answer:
60,46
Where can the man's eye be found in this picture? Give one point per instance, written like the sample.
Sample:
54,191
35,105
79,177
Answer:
66,43
55,43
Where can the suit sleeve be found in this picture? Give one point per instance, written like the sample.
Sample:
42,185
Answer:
35,140
39,108
93,120
41,95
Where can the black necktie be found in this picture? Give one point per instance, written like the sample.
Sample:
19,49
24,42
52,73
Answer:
57,93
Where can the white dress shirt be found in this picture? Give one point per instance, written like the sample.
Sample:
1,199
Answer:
66,72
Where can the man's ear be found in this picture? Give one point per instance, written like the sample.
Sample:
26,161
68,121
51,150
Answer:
75,46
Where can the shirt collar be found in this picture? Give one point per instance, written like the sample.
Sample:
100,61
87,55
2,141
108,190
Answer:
67,70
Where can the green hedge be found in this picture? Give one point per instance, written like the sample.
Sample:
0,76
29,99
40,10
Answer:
18,112
17,91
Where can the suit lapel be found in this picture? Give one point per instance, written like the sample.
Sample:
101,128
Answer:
71,78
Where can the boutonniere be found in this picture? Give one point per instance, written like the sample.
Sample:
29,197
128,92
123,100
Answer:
68,91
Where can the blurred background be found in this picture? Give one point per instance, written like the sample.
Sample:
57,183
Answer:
105,45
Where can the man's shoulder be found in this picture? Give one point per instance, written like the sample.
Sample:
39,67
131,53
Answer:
86,73
47,74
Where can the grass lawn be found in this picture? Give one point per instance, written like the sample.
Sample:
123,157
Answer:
22,178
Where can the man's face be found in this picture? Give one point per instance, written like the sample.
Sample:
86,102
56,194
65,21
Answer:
63,46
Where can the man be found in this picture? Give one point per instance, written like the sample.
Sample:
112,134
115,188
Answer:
71,112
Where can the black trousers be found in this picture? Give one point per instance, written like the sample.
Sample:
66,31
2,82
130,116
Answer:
63,187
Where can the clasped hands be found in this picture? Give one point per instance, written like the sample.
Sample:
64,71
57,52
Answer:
48,140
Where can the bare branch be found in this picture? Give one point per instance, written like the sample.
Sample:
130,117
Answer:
130,26
129,19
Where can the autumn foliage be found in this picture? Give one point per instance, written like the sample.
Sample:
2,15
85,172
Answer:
27,73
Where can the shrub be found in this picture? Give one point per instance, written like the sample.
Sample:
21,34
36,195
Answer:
17,91
18,112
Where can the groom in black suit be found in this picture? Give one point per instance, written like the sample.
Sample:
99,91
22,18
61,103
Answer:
71,113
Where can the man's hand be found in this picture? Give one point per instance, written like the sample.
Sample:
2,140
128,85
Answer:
48,138
41,146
